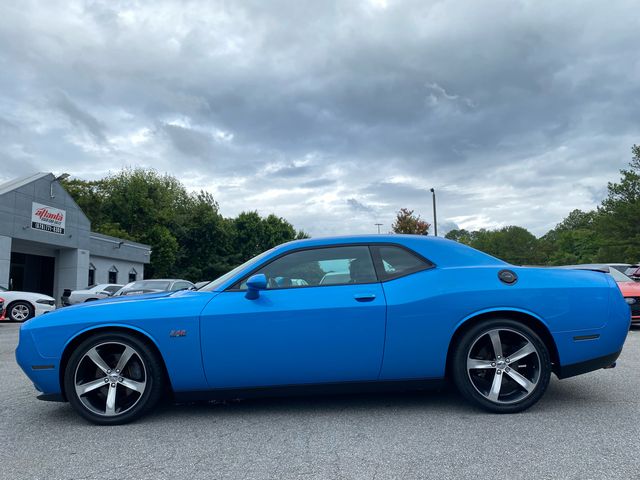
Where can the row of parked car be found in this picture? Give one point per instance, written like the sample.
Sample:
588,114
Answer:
21,306
105,290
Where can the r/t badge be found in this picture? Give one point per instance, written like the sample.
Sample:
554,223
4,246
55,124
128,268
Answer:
178,333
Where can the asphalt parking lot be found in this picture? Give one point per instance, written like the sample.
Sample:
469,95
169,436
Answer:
587,427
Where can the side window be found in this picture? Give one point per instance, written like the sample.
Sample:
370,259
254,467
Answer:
397,261
321,266
112,288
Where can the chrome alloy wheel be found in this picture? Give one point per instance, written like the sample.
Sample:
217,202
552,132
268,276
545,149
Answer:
20,312
503,366
110,379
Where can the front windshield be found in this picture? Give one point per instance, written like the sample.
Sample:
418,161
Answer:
210,287
618,276
148,285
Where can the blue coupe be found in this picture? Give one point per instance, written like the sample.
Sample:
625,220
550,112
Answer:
333,313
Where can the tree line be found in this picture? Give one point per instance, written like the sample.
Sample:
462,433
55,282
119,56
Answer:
189,238
610,233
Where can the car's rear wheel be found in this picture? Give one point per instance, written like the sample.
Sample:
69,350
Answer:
20,311
502,366
113,378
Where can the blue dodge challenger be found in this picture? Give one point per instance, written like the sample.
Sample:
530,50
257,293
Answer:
330,314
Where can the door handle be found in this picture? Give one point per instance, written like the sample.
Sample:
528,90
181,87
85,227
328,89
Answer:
364,297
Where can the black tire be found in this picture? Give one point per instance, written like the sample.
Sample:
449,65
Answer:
143,367
514,394
18,310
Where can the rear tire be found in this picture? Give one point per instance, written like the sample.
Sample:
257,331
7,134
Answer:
501,365
113,378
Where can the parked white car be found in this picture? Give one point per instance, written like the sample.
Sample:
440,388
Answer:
96,292
21,306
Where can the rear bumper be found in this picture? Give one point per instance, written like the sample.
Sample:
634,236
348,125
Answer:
566,371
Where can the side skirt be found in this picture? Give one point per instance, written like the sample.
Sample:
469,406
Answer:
311,390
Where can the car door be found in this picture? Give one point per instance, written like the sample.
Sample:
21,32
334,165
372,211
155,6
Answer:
298,330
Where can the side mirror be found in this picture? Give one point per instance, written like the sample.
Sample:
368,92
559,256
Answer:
255,284
104,292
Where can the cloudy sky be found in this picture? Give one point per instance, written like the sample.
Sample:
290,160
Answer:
331,114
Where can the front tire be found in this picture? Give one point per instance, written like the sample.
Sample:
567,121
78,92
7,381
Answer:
21,311
501,366
113,378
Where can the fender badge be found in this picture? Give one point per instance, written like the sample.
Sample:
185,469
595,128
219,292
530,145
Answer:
178,333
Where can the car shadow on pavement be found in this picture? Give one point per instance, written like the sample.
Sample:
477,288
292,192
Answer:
560,397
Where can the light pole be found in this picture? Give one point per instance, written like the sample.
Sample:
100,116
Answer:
435,220
64,176
378,225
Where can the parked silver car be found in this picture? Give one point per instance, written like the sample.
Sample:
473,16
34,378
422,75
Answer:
153,286
96,292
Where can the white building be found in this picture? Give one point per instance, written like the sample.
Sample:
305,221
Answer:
46,242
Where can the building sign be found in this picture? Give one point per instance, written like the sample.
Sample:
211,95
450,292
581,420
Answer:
48,219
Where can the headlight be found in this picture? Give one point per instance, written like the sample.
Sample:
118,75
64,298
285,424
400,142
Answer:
630,300
46,302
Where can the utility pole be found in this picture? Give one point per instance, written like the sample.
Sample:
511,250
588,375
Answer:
378,225
435,220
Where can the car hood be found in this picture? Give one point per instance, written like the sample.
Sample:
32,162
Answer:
629,289
14,294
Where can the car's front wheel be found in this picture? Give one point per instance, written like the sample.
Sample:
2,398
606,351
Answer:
501,365
20,311
113,378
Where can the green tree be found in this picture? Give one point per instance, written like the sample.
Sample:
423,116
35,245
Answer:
618,222
572,241
407,222
512,244
188,236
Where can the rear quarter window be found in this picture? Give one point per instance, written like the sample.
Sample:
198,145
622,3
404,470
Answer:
394,261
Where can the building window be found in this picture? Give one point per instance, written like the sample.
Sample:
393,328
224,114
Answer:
133,275
113,274
92,275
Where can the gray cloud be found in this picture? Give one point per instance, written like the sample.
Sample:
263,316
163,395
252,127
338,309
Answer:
515,112
359,206
80,118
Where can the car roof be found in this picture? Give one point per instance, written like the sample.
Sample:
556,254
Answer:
437,250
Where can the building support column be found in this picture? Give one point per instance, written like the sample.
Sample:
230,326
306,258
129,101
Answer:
72,271
5,260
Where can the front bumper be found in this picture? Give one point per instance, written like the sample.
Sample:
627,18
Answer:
42,371
40,308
